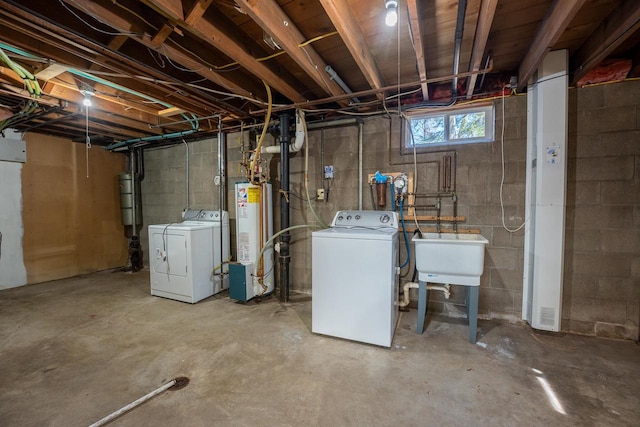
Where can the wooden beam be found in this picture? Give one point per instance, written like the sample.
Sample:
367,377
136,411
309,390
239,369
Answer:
182,58
168,112
43,38
113,111
172,7
112,99
558,18
173,54
115,44
416,36
346,24
273,20
446,218
485,19
162,35
217,38
196,12
621,23
53,70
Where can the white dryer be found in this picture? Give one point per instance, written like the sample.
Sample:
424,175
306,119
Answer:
186,260
355,277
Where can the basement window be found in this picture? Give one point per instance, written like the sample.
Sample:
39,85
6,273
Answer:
459,126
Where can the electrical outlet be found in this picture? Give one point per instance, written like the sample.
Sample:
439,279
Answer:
320,194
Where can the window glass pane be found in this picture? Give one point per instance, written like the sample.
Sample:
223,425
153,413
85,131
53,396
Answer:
428,130
467,125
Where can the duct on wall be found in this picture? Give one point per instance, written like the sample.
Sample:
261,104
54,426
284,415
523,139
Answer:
131,204
128,193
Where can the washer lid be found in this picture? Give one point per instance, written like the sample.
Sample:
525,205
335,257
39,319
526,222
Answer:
182,226
357,233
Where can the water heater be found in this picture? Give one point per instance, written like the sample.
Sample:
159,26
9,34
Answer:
250,276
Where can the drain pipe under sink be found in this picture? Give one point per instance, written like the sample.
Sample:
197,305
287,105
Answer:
432,287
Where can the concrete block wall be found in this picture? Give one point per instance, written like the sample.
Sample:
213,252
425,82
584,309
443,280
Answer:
602,256
164,185
602,253
478,181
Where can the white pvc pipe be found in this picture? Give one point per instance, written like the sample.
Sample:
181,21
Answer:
133,404
296,142
415,285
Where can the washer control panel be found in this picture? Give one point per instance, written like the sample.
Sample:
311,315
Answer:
365,219
202,215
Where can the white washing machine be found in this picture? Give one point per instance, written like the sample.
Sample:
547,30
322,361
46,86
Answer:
186,259
355,277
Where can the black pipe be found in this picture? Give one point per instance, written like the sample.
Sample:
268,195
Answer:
457,47
284,257
139,164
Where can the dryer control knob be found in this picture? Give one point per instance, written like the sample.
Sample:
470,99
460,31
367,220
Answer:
348,217
385,218
357,217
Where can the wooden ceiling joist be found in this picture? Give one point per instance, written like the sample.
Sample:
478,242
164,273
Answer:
161,35
272,19
115,44
610,34
173,7
416,36
109,18
485,19
343,18
196,12
560,15
217,38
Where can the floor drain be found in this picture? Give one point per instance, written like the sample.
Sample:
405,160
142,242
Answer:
181,382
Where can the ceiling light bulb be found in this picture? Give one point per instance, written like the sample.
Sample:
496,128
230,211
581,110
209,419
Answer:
391,19
86,102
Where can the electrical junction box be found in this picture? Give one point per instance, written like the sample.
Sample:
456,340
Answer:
12,147
320,194
328,172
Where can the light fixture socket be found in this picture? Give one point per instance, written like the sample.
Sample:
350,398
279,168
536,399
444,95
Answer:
87,97
391,18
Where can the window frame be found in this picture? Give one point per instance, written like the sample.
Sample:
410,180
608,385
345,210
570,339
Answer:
488,109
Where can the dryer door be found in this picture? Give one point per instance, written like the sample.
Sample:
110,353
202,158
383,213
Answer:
169,254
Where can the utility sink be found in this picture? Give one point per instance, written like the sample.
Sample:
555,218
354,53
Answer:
456,259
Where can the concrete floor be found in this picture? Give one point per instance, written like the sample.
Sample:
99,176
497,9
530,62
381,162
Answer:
74,350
